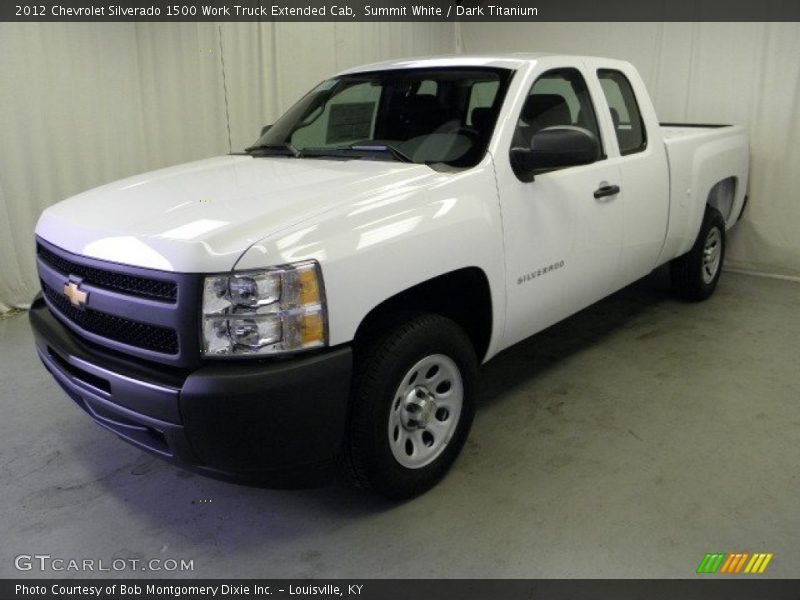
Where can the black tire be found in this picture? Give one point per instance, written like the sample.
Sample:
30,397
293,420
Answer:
691,278
367,455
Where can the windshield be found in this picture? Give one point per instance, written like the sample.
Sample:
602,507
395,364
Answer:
426,116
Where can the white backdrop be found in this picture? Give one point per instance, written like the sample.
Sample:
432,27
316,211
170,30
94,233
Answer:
84,104
743,73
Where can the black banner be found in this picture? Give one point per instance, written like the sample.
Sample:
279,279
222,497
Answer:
399,10
387,589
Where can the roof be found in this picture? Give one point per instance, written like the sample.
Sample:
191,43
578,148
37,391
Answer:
508,61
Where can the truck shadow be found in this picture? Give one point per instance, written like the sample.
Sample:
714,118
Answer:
532,357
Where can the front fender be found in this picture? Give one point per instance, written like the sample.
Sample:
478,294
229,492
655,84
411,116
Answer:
389,240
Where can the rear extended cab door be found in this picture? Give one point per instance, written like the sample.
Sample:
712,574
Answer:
562,244
635,146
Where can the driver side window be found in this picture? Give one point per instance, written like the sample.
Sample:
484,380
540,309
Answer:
559,97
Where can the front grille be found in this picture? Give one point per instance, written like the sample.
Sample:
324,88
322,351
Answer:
111,280
150,337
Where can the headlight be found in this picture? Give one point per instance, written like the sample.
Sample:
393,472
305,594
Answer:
270,311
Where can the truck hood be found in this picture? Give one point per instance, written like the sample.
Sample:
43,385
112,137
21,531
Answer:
200,217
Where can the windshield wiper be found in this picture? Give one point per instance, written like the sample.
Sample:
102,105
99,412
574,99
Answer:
282,149
359,149
393,150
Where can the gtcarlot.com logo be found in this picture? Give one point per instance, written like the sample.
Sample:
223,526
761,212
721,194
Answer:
47,562
735,563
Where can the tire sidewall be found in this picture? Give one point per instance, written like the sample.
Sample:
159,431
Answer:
712,219
388,476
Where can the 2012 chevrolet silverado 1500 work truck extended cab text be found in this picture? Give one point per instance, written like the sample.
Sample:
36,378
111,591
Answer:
327,295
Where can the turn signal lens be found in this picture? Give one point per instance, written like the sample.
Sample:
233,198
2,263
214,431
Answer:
309,287
312,329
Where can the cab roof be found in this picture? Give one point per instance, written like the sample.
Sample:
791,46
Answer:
508,61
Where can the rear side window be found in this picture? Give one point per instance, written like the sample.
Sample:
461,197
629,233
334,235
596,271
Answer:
481,96
625,114
428,87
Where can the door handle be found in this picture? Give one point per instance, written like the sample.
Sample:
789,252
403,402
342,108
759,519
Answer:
606,190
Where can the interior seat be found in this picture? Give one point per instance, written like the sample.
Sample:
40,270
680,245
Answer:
422,114
538,112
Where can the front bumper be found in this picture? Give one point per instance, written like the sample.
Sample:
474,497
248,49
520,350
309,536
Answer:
253,422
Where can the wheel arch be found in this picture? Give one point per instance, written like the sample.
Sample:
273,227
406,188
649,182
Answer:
463,295
722,196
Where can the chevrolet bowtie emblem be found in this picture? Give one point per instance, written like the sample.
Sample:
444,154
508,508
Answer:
74,294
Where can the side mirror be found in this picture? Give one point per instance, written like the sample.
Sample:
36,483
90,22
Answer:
265,129
554,148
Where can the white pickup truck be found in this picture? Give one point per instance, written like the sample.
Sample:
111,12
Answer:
327,295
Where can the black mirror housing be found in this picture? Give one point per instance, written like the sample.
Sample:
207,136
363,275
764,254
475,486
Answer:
555,148
565,146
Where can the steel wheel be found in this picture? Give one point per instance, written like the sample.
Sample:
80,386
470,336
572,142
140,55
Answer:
425,411
696,273
412,405
712,252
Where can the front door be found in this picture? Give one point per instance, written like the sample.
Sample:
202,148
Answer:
562,243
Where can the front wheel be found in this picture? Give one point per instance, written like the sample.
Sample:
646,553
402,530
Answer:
412,407
696,273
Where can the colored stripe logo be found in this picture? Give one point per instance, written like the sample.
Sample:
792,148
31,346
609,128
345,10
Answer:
734,563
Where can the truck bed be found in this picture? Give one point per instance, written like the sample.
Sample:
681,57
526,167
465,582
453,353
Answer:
672,131
704,160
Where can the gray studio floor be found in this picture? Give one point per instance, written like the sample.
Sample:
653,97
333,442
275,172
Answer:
627,441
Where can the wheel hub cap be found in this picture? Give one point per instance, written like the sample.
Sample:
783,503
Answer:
425,411
418,408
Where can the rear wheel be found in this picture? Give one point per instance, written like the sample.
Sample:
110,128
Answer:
696,273
412,407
